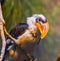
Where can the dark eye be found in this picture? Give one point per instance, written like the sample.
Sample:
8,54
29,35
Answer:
42,20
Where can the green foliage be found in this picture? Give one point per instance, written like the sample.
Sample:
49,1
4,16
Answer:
16,11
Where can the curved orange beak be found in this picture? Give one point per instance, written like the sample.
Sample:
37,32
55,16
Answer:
43,28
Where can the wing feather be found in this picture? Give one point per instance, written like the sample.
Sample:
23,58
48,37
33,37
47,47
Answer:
18,30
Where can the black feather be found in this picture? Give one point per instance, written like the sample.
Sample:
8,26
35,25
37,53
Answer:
18,30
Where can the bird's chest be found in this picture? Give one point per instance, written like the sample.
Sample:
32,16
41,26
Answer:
32,38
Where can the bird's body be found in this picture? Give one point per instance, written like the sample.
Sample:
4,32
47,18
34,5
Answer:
27,37
30,40
27,46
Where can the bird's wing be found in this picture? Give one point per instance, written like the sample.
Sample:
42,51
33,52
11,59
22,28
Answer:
18,30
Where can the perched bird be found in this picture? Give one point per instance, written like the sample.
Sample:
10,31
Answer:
27,36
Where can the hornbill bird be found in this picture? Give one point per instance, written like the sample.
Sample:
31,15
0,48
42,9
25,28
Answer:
27,37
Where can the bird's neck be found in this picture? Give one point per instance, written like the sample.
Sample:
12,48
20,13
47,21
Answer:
32,26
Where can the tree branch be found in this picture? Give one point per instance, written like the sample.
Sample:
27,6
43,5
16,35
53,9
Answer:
14,40
2,35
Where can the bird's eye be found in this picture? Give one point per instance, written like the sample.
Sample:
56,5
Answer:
37,20
41,20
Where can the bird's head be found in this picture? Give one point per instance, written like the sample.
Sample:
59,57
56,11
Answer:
41,23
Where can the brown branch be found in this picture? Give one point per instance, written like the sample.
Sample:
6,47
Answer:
14,40
2,35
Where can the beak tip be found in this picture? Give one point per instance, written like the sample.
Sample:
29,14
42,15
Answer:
45,30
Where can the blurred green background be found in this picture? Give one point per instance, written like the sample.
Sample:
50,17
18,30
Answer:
16,11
